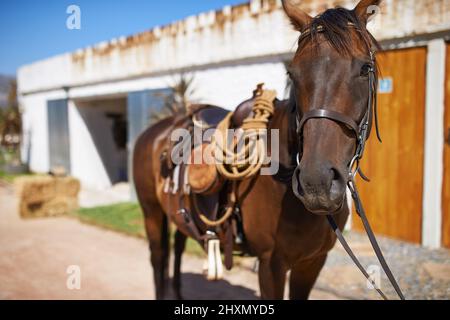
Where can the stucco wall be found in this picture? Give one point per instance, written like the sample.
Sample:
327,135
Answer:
257,29
84,156
225,85
94,155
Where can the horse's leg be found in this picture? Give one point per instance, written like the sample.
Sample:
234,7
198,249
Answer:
272,278
156,226
180,243
303,276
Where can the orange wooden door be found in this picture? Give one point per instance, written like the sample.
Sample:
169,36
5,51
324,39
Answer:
393,198
446,180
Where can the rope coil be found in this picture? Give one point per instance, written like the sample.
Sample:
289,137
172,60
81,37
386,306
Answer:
243,156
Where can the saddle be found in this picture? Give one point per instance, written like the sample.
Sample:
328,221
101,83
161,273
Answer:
210,116
209,208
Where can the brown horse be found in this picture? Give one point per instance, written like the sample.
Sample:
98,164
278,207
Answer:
329,71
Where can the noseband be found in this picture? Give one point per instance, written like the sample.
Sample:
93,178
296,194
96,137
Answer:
362,132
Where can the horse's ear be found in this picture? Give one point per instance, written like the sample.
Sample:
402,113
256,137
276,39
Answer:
367,9
298,17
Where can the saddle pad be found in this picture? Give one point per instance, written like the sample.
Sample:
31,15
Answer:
202,176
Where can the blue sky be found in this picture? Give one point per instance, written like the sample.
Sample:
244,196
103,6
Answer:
31,30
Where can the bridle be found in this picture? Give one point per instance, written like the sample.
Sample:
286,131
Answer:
362,132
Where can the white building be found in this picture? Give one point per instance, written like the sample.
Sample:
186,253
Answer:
71,102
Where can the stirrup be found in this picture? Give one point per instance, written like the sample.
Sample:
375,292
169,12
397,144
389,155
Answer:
215,267
166,188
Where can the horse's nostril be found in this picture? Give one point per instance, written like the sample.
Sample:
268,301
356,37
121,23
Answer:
337,184
300,190
336,175
297,184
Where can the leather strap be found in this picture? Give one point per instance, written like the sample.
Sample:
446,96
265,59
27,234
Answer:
307,32
373,241
349,251
329,114
184,217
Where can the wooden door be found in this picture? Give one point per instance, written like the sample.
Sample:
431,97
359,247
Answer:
446,180
393,198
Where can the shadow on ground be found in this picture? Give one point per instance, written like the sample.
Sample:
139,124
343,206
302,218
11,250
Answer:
197,287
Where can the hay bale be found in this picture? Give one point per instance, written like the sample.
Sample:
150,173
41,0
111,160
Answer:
46,196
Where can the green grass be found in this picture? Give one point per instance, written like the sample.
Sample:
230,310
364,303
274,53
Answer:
125,218
6,156
8,177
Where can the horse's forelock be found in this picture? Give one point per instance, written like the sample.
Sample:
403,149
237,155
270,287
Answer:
335,29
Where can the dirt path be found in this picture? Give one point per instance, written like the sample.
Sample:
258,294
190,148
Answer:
35,255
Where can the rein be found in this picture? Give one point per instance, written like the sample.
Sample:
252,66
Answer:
361,132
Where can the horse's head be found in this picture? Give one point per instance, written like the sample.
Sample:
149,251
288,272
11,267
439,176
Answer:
334,80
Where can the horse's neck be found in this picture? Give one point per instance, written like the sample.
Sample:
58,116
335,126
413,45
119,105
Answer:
284,121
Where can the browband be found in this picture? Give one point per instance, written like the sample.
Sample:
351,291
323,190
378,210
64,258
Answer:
320,28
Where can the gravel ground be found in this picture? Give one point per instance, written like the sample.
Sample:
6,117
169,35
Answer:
421,273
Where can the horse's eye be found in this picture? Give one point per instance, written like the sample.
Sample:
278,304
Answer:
366,68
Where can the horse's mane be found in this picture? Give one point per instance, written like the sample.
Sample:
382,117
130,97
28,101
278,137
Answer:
335,29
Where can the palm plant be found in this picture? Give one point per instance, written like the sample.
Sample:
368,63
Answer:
11,124
178,101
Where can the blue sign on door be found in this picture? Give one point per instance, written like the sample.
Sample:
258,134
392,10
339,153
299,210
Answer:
386,85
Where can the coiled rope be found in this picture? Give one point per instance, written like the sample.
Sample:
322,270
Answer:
243,156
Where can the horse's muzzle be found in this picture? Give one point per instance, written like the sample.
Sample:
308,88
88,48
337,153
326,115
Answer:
322,190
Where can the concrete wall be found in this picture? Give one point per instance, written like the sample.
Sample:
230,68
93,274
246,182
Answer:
257,29
86,158
434,144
